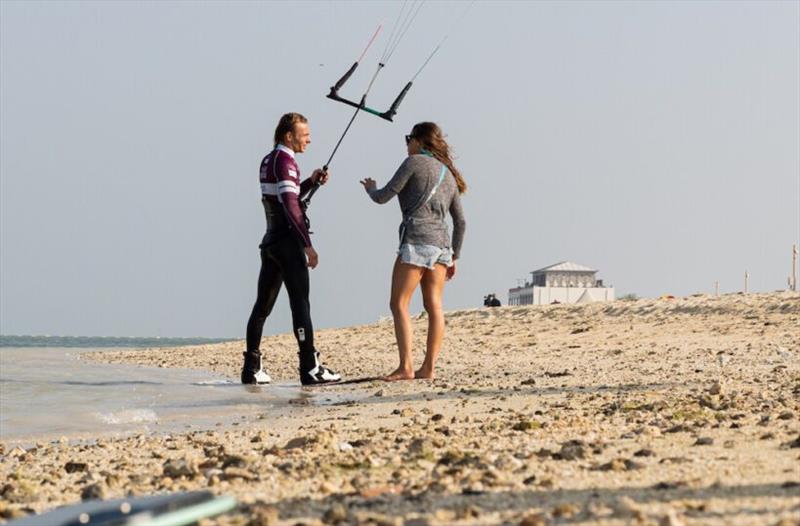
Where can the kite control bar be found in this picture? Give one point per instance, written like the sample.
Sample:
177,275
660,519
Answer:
401,26
387,115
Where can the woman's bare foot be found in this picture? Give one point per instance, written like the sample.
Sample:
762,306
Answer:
399,374
424,374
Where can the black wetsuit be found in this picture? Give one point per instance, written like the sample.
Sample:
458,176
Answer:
283,259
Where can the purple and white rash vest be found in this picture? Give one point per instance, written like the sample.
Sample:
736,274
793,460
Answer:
281,186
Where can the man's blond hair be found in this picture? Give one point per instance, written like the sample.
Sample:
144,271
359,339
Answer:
286,125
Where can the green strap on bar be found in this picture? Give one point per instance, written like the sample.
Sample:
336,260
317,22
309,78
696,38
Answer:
192,514
370,110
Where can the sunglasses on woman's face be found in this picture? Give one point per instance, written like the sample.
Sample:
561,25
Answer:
408,138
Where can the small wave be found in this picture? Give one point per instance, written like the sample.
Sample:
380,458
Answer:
129,416
214,382
102,342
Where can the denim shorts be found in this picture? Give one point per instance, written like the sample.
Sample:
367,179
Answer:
425,255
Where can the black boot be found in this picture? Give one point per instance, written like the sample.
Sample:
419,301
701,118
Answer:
312,372
252,371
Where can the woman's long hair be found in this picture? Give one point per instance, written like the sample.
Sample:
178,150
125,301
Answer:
431,138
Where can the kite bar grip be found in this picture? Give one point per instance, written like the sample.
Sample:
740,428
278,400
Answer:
335,96
388,114
307,198
344,78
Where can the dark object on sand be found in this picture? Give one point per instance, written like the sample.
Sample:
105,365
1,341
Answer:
490,300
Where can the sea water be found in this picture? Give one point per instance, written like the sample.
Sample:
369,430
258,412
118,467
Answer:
50,393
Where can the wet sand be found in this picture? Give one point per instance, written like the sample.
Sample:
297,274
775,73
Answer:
670,412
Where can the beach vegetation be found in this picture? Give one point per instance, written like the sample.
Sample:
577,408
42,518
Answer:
628,297
689,413
357,465
526,425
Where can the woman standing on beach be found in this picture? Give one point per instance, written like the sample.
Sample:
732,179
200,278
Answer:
428,186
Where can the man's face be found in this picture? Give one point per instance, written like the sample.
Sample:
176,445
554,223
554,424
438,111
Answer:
299,138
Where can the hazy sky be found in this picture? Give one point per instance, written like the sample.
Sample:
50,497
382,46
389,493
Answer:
658,142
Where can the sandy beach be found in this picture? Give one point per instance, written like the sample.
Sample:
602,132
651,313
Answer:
658,411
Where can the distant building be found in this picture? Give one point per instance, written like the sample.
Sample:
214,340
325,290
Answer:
564,282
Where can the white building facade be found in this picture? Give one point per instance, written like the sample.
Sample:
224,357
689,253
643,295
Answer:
564,282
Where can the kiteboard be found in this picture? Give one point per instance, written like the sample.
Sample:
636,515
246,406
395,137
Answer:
175,509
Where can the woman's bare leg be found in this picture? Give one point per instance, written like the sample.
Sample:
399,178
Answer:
405,279
432,288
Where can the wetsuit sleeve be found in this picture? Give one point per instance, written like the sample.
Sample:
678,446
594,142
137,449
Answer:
306,186
395,184
289,196
459,225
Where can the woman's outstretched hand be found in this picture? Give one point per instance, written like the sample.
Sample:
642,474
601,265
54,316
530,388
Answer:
369,184
451,271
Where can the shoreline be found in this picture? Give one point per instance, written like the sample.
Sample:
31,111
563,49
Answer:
602,413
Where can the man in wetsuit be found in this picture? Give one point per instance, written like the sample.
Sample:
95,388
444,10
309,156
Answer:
286,253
